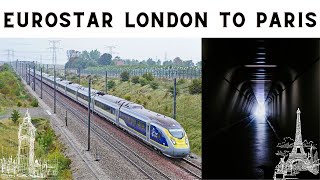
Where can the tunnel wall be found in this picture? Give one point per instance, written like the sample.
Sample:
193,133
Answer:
226,100
302,93
229,104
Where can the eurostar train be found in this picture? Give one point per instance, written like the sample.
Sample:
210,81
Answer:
161,132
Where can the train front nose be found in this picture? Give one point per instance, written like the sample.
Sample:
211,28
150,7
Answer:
181,152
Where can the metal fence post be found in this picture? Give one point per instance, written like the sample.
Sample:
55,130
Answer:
106,82
174,97
29,75
79,76
26,74
41,83
89,103
66,118
34,77
55,89
65,73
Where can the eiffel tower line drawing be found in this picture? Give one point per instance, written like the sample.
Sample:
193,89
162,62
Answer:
298,160
25,164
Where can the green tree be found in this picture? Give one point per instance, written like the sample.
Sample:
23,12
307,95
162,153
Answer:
171,90
195,87
15,115
188,63
148,76
177,61
85,55
154,85
111,84
158,62
91,63
135,79
94,55
150,62
124,76
34,102
105,59
168,63
45,138
199,64
143,81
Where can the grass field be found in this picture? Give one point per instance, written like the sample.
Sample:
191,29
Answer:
12,92
159,100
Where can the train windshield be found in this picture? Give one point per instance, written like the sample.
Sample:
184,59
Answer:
177,133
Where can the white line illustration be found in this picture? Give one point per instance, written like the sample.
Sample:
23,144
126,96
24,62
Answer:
296,161
25,164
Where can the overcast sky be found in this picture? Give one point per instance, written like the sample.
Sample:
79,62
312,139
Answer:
126,48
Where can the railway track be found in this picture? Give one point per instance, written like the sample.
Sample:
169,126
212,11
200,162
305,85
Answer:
184,164
71,143
189,167
140,163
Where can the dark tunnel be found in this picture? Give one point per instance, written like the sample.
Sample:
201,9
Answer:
252,90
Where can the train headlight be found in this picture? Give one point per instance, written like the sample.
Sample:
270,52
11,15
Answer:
187,141
173,141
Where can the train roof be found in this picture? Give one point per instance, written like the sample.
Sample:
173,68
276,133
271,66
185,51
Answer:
45,75
164,121
84,90
139,110
73,86
64,82
99,97
123,102
113,99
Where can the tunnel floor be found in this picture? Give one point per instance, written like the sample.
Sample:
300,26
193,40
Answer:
246,150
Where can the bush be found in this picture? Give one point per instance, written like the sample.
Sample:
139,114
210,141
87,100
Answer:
171,89
19,104
143,81
195,87
124,76
34,102
17,92
135,79
166,108
4,67
181,81
15,115
45,139
127,97
111,84
154,85
148,76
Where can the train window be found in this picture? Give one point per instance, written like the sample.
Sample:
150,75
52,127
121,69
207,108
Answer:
177,133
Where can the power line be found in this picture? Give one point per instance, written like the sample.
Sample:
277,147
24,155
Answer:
111,52
10,53
27,57
54,47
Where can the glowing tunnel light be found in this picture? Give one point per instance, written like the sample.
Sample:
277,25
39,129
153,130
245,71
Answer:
260,111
